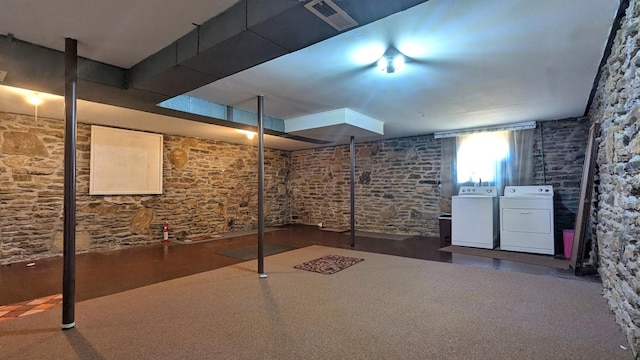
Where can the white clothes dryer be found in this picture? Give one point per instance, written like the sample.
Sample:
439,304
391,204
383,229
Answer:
474,217
526,219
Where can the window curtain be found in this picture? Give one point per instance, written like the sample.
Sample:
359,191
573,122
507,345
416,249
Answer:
516,168
448,173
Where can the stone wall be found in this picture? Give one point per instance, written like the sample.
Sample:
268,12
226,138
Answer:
397,181
615,106
558,154
396,186
210,187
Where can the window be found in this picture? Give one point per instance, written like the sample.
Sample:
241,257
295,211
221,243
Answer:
497,158
480,158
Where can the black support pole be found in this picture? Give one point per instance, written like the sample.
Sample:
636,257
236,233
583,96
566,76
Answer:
261,187
69,252
353,192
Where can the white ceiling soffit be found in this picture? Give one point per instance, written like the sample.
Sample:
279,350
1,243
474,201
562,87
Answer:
335,125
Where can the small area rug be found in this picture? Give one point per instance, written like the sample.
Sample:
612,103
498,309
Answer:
251,252
329,264
542,260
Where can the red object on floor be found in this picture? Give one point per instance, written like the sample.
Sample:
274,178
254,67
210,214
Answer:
567,237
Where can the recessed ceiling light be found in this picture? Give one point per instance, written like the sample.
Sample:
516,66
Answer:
34,99
249,134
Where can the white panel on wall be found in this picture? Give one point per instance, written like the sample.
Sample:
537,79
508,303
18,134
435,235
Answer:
125,162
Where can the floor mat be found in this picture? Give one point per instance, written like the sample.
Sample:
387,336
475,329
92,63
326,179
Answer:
251,252
380,235
29,307
333,229
535,259
368,234
223,236
329,264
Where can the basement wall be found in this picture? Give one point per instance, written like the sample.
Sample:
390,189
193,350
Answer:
397,188
558,156
210,187
616,107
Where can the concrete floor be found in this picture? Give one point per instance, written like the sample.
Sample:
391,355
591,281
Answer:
104,273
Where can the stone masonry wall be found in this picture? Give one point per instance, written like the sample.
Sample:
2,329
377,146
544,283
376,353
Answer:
396,186
616,107
397,181
562,145
210,187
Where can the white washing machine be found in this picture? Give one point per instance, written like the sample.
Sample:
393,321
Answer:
474,217
526,219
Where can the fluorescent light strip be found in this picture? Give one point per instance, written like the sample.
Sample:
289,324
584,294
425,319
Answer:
516,126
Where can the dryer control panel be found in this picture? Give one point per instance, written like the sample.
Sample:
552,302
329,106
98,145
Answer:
533,190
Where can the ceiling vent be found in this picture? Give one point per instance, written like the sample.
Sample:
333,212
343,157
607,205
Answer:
330,13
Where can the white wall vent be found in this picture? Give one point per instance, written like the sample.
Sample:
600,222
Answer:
330,13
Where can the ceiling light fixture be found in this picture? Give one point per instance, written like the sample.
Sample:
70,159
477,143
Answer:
391,61
249,134
35,100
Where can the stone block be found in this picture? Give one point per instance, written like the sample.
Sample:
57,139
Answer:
178,158
23,143
16,161
388,213
141,221
83,242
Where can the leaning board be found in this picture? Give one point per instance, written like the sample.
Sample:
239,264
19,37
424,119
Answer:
584,206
